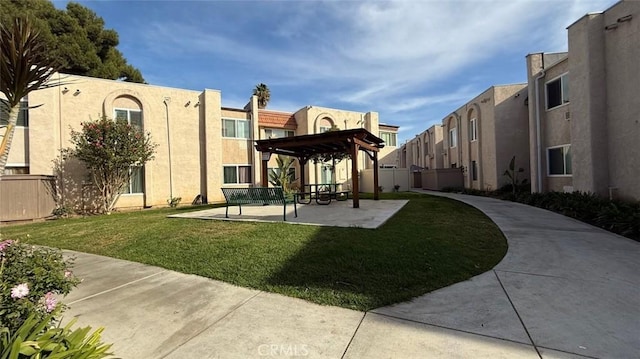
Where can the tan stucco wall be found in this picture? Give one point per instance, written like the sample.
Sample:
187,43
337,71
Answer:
555,125
502,130
511,131
605,79
83,99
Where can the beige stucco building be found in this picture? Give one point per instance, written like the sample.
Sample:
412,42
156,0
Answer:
584,113
480,138
202,146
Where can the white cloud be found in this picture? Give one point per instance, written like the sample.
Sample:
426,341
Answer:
395,57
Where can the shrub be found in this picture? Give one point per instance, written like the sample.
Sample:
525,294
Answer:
35,338
32,278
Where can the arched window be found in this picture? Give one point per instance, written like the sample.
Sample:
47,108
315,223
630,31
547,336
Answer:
325,124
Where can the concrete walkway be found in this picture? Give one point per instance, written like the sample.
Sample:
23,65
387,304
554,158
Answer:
564,290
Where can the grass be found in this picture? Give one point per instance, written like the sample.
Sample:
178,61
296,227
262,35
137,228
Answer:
431,243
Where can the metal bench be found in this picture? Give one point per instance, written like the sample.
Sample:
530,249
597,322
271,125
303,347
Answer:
257,196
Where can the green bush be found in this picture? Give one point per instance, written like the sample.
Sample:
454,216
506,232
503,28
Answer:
36,339
32,279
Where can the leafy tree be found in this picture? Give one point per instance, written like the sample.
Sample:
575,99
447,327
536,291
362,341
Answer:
283,176
110,149
263,93
24,67
75,37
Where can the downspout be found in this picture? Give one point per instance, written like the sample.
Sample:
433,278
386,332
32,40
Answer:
538,140
166,106
61,162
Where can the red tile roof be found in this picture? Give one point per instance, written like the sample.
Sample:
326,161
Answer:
273,119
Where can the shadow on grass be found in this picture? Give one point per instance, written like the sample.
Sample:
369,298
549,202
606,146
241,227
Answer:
431,243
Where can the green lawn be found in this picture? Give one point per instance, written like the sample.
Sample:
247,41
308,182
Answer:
431,243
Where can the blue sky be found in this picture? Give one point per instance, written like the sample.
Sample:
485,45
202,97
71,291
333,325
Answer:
413,62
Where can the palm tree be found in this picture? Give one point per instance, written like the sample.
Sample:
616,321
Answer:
24,67
263,93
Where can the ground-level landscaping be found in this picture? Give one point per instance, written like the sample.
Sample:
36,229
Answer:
431,243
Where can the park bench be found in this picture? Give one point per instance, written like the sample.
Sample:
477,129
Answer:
257,196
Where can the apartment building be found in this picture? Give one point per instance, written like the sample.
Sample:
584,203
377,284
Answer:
202,146
584,112
479,138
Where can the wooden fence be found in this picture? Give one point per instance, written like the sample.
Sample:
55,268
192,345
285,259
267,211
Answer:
26,197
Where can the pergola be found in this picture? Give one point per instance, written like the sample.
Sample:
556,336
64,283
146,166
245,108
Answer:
346,141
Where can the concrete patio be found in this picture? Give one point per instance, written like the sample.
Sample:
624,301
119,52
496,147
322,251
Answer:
371,214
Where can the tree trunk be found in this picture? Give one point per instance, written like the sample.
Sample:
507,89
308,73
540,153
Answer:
5,145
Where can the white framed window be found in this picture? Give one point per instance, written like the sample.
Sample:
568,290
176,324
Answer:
559,161
23,114
136,181
473,130
235,174
389,138
557,91
234,128
323,129
278,133
453,137
133,116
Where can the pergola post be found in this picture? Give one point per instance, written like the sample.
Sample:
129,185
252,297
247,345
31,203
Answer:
376,191
303,181
354,175
264,175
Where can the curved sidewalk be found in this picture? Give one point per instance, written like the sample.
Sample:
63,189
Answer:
565,287
564,290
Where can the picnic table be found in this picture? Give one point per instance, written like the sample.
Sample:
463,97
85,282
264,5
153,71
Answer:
323,193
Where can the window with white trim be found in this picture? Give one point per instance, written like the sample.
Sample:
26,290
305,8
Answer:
389,138
234,174
323,129
234,128
133,117
559,160
557,91
136,181
23,114
453,137
278,133
473,130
